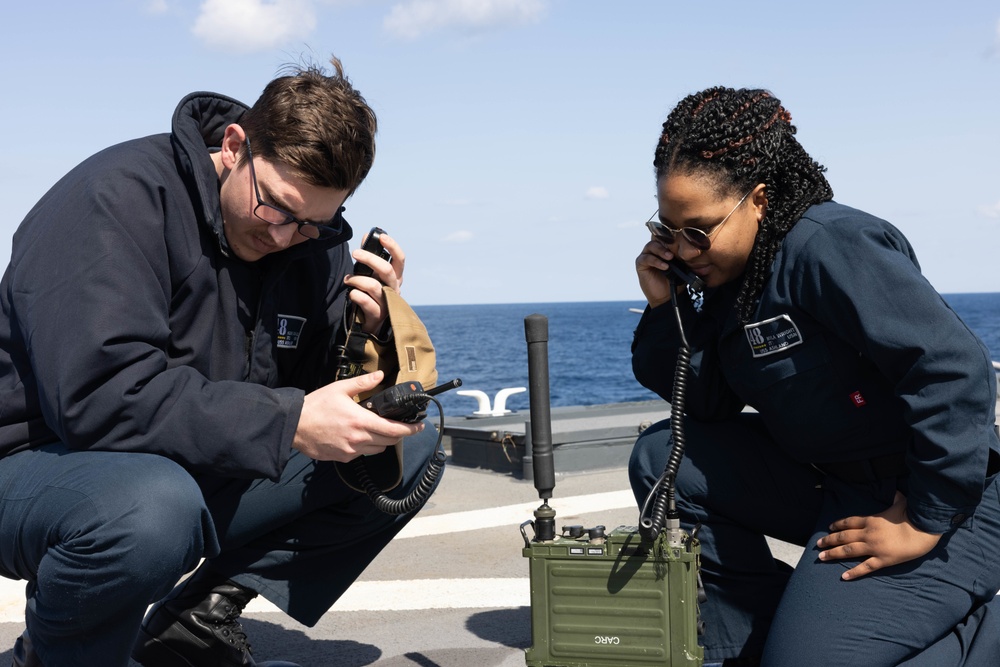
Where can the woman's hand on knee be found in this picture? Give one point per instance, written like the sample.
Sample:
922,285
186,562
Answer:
881,540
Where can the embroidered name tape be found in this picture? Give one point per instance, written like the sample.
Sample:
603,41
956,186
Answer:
773,335
289,329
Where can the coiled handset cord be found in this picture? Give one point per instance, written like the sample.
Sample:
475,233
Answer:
419,495
664,508
435,465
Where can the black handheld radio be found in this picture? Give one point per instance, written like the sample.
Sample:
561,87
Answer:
406,401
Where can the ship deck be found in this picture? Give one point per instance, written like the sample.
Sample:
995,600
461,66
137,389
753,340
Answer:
450,591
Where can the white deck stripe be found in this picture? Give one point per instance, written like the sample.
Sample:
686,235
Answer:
425,594
363,596
514,515
11,600
465,593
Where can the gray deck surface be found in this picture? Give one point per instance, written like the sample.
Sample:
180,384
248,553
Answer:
491,629
451,591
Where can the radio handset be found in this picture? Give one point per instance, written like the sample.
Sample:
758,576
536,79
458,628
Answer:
373,244
681,272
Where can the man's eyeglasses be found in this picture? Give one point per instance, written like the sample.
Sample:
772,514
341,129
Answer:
276,216
697,237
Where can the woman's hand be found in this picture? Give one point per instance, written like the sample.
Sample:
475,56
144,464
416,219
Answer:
651,266
367,291
887,538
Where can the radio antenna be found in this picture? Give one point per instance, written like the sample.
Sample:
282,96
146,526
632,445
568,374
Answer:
536,333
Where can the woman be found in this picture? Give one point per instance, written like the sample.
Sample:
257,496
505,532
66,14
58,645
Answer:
871,441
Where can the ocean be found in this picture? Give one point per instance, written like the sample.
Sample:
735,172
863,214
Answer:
589,348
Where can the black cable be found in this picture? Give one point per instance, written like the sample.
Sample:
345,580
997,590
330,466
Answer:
343,367
664,506
419,495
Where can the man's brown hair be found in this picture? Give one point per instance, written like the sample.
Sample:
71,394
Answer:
316,124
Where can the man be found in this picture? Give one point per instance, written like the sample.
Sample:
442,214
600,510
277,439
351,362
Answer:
167,393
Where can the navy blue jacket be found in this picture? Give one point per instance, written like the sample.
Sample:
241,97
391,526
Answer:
851,355
128,325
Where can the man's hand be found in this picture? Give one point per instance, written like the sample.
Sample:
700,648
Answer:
367,291
887,538
333,427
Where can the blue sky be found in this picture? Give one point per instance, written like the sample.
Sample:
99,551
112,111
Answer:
516,136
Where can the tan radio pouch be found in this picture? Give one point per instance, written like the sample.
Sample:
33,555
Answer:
406,354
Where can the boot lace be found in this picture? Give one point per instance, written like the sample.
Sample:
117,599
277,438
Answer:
231,629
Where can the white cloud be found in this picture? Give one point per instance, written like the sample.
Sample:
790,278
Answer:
415,18
461,236
253,25
597,192
157,6
990,210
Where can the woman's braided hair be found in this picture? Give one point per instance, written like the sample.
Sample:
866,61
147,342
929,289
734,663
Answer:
739,138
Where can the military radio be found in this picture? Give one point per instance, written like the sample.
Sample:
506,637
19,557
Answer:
620,598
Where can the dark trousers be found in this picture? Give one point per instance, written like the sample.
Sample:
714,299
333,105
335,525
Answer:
101,535
936,611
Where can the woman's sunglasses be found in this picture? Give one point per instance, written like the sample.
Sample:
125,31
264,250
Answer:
697,237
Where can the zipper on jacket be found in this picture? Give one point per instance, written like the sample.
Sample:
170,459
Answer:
251,338
248,352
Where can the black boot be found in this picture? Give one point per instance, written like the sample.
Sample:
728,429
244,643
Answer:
197,625
24,654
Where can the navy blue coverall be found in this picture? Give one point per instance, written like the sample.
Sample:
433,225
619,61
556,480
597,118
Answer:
862,382
150,388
